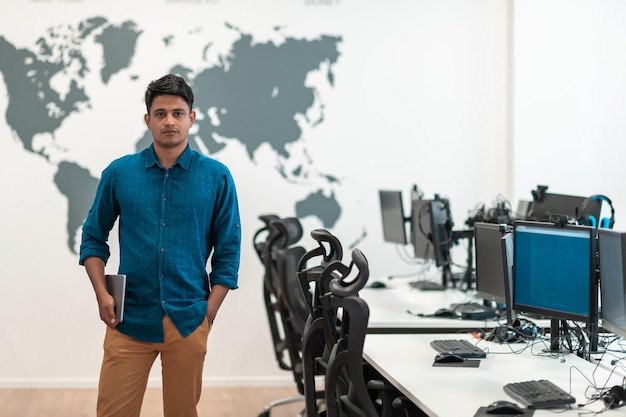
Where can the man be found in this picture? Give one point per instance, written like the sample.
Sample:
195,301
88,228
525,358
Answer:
176,207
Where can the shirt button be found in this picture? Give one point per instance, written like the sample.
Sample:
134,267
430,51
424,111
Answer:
162,301
163,224
162,249
164,198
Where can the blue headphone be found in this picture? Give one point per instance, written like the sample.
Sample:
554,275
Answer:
588,219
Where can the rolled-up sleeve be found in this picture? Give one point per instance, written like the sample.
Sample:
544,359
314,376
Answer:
226,235
100,220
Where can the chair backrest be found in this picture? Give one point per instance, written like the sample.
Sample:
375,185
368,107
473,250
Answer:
345,383
328,249
289,307
280,234
262,237
333,340
284,233
289,291
315,342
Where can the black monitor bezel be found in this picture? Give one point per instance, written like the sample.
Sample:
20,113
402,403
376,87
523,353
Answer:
608,323
551,204
592,316
488,252
392,216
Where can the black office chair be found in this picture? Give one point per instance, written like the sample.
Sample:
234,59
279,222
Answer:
281,293
345,383
262,248
328,249
314,344
333,346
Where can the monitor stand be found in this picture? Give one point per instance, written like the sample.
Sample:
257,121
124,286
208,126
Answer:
558,330
555,337
468,277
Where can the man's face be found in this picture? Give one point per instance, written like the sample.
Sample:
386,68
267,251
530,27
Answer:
169,121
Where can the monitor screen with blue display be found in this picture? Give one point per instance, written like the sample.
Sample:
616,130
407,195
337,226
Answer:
554,271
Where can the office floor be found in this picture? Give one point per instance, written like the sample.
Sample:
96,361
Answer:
215,402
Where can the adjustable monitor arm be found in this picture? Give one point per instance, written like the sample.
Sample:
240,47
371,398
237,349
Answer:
469,235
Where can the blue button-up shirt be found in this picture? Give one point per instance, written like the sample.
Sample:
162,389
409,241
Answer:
170,220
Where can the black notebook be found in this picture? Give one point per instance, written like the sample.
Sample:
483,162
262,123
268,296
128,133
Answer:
116,286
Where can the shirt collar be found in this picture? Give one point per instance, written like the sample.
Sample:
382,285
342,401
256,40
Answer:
183,160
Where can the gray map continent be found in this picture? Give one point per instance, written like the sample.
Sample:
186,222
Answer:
253,96
118,43
259,89
79,187
317,204
34,107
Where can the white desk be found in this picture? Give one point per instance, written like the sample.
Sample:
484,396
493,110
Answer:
405,360
613,358
394,309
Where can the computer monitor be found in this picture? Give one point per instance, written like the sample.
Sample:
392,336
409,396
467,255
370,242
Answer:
612,250
392,213
522,210
554,273
489,262
421,229
506,248
494,265
553,270
441,230
546,205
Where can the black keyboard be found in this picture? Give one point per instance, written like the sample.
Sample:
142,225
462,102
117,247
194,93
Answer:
459,347
538,394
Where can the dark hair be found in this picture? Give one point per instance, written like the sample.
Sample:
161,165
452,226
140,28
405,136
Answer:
169,84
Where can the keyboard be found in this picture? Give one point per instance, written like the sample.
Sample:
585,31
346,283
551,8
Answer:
459,347
538,394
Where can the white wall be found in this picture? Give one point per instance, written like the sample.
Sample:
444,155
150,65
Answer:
569,98
421,96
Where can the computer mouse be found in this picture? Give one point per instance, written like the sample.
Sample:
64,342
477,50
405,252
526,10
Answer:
504,408
444,312
378,284
447,357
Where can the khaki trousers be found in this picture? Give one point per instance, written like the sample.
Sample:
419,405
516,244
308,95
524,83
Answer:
126,366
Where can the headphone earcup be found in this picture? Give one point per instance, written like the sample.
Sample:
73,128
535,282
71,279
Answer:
606,223
592,221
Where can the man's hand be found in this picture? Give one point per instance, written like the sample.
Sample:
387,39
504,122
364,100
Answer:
106,305
216,297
